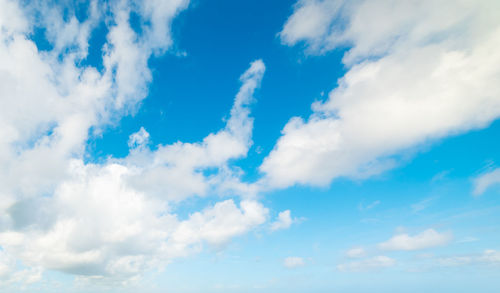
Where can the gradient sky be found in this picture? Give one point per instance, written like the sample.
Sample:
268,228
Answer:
250,146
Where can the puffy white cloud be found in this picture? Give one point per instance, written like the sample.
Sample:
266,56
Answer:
98,224
219,223
46,124
369,264
426,239
293,262
284,221
485,181
104,228
175,171
417,71
311,22
114,220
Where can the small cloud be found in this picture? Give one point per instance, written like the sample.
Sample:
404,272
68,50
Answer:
485,181
440,176
284,221
370,264
468,240
370,206
370,220
139,138
427,239
293,262
356,252
422,205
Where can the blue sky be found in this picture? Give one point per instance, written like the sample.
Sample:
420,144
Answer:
249,146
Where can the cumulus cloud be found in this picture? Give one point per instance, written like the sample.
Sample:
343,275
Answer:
175,171
426,239
112,220
369,264
485,181
293,262
284,221
417,71
98,223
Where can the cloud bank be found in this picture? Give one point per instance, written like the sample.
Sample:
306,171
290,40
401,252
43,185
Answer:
417,71
109,221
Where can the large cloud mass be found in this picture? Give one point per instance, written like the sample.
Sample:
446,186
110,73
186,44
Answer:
417,71
114,220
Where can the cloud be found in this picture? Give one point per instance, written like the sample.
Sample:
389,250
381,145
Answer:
284,221
485,181
111,221
293,262
422,205
175,172
426,239
369,264
356,252
414,76
99,224
370,206
488,257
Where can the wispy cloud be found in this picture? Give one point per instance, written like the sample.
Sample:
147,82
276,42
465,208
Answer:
293,262
485,181
369,264
426,239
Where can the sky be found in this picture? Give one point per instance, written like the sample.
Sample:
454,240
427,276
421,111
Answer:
250,146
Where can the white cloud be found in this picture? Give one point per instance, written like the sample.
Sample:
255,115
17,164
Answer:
114,220
426,239
98,224
369,264
417,72
175,171
293,262
138,139
485,181
356,252
488,257
284,221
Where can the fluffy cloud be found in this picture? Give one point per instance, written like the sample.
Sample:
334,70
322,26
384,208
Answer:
284,221
369,264
175,171
98,224
426,239
293,262
112,220
485,181
417,71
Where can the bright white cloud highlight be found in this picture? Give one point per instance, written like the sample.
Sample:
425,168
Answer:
417,72
426,239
